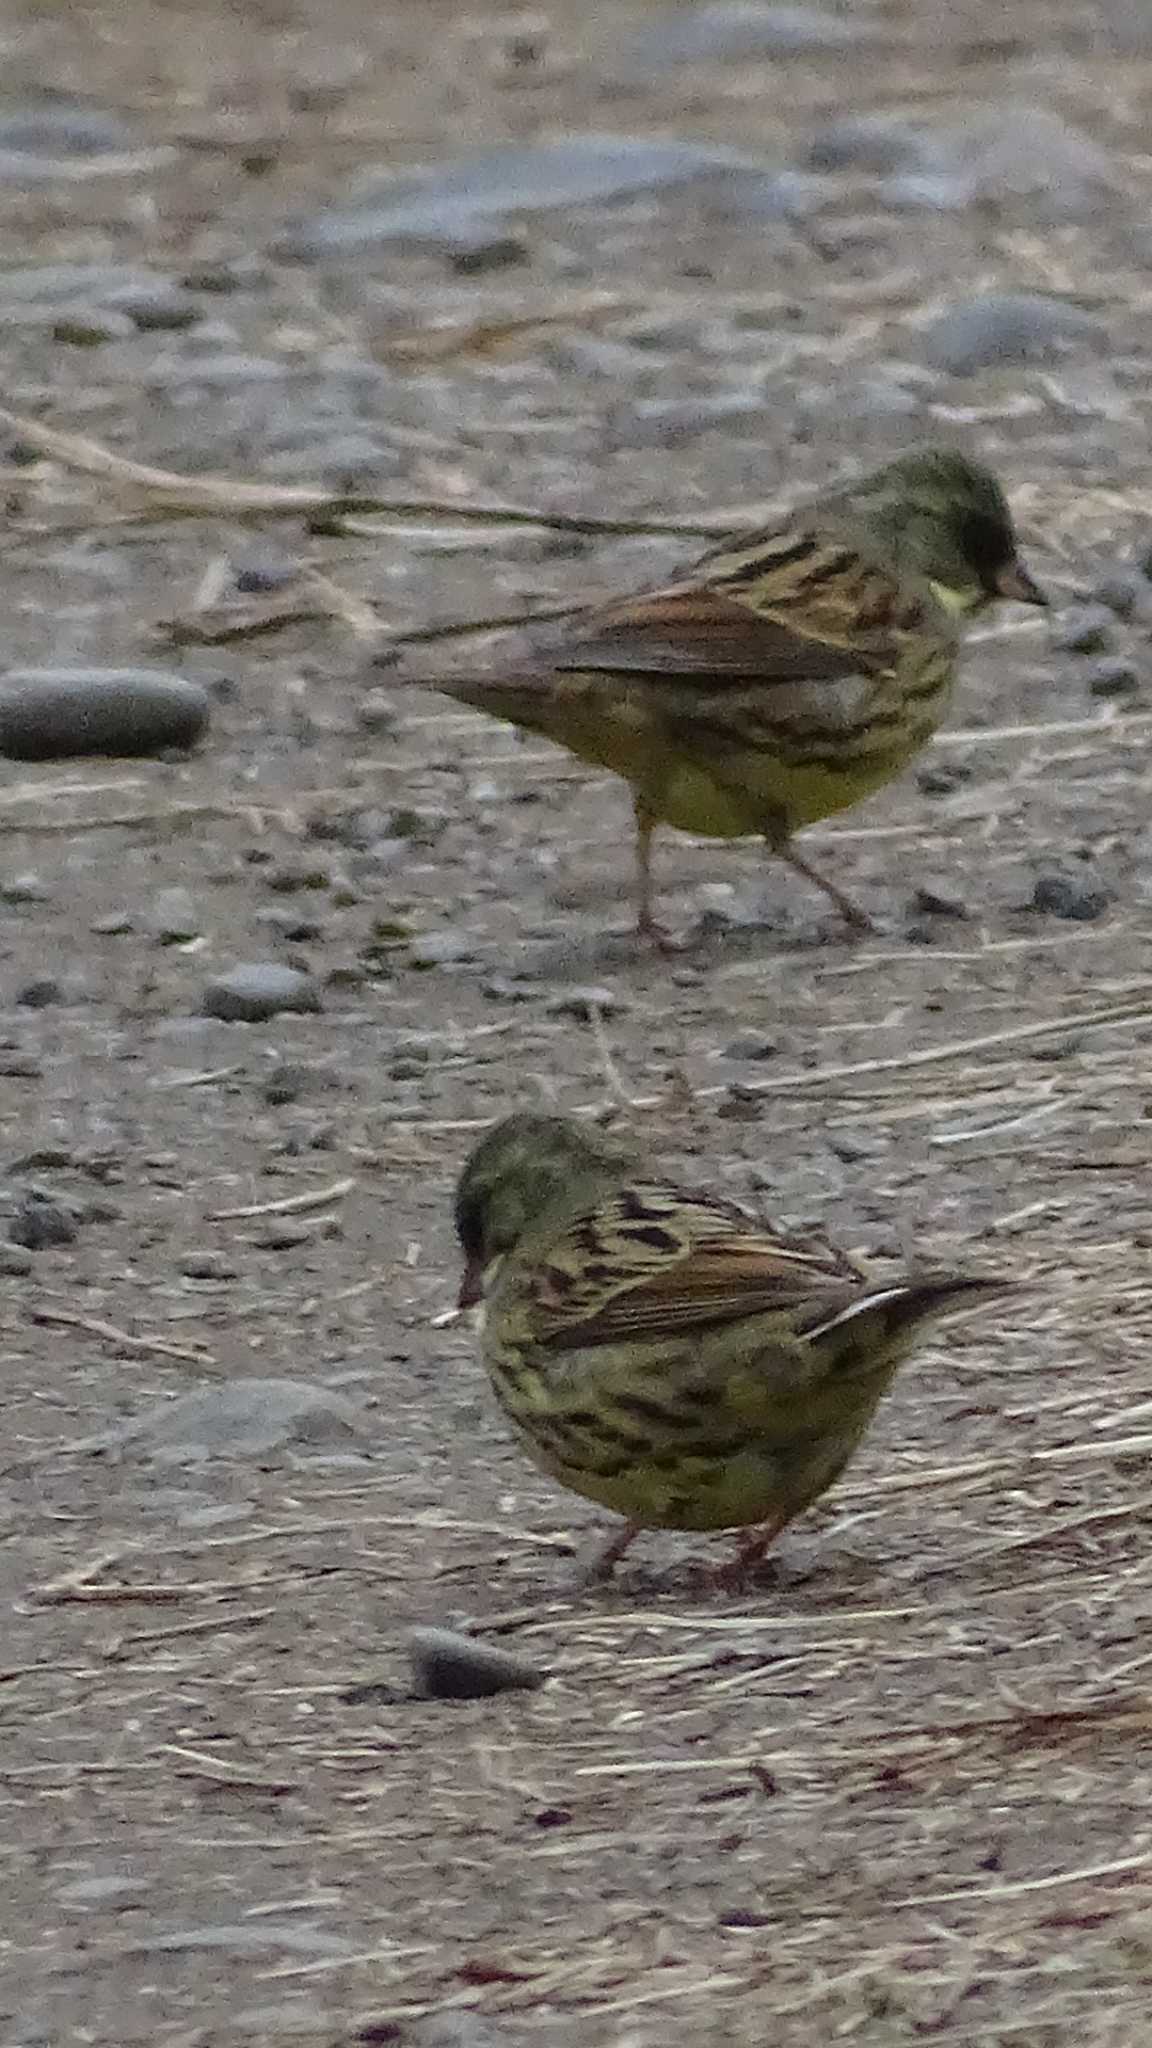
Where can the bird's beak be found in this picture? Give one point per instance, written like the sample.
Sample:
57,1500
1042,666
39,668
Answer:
471,1285
1015,581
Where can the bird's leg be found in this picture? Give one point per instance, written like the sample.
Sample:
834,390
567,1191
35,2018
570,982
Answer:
751,1551
849,911
604,1563
648,926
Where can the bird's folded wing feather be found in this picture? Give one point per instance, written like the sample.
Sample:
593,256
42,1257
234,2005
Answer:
782,607
650,1262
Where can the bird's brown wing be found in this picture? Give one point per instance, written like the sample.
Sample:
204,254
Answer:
651,1261
778,608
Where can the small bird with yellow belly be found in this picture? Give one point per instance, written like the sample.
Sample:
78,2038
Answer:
659,1351
793,673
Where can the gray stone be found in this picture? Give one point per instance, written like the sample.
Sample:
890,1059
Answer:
242,1418
585,1003
1007,327
172,917
728,30
1083,629
447,204
1115,676
441,949
451,1666
1067,896
41,1220
257,990
50,713
26,888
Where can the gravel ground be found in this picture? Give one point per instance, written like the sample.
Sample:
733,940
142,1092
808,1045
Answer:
893,1792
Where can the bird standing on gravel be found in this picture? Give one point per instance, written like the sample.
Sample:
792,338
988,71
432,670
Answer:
793,673
661,1352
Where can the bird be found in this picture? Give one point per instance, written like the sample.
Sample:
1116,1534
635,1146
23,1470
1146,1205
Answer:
791,673
662,1352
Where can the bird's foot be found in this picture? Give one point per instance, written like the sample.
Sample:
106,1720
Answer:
650,932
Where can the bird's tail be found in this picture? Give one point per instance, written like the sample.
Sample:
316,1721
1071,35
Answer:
887,1315
519,699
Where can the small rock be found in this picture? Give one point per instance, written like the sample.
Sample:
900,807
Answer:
113,924
586,1003
27,888
285,1235
751,1045
258,990
14,1261
172,918
931,901
1114,677
450,1666
207,1265
42,1220
452,206
1066,896
505,988
1124,591
441,949
101,1891
1083,629
49,714
725,31
244,1418
740,1104
376,712
40,993
79,329
944,780
288,1082
290,925
1006,327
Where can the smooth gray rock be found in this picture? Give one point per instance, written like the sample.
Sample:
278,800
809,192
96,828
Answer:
1007,327
451,1666
258,989
49,714
455,200
242,1418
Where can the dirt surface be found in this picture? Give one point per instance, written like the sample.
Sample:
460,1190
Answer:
898,1790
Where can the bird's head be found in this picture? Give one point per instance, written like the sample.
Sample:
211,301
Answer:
523,1170
943,517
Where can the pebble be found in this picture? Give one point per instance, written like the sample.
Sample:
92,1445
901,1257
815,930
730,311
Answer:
1006,327
1123,591
1006,153
929,900
441,949
1083,629
27,888
40,993
260,989
15,1262
728,30
944,780
452,205
586,1003
172,917
1066,896
242,1418
207,1265
751,1045
1114,676
376,712
48,714
42,1220
451,1666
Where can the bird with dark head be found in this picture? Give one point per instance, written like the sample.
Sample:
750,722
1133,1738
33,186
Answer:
665,1354
793,672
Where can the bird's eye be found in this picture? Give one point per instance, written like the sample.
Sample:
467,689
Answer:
987,545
